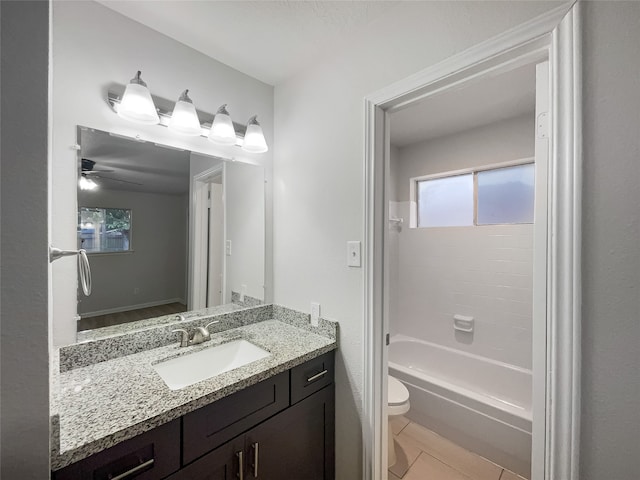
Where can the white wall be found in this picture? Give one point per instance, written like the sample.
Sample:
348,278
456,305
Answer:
318,183
611,242
156,266
24,344
498,142
483,271
245,223
244,209
95,48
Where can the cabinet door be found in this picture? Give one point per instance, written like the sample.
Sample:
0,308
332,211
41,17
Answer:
149,456
223,463
295,444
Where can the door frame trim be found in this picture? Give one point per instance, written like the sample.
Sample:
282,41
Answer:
558,32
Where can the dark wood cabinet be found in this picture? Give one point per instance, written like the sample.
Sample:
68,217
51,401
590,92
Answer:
298,443
221,464
149,456
280,428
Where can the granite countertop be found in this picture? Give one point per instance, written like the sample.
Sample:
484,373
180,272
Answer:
96,406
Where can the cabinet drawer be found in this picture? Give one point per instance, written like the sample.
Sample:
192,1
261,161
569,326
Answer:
149,456
215,424
311,376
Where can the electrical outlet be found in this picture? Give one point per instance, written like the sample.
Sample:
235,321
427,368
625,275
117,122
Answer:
315,314
136,291
243,292
228,248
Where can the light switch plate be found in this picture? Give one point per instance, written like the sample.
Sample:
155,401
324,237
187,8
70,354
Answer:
315,314
353,253
228,247
243,292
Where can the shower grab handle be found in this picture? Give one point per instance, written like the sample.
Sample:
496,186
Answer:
462,323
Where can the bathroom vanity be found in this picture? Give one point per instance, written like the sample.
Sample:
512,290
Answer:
270,419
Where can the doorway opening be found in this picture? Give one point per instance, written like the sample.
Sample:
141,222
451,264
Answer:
539,403
462,181
209,239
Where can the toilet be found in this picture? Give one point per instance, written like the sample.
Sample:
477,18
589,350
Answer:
397,404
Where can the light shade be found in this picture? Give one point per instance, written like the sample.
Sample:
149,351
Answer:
137,104
86,183
254,141
222,131
184,119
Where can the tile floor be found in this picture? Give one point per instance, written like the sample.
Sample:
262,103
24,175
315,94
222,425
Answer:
423,455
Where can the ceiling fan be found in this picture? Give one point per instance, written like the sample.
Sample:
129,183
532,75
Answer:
87,169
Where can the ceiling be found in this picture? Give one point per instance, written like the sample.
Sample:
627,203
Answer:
268,40
483,102
135,166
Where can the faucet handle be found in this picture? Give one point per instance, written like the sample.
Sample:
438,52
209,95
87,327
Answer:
184,336
180,318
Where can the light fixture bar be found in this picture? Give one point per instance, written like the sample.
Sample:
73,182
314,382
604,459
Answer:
165,115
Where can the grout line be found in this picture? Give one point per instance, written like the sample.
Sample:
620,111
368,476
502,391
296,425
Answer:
450,466
501,473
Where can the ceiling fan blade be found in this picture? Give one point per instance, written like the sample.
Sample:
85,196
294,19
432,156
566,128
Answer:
118,180
91,172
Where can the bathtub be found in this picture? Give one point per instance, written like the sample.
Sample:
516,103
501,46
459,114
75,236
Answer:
480,404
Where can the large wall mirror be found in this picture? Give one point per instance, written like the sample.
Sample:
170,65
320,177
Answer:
166,230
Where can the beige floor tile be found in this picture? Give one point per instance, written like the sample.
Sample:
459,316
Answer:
427,467
406,453
398,422
462,460
508,475
393,477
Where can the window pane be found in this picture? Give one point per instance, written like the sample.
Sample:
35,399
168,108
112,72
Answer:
104,229
506,195
446,202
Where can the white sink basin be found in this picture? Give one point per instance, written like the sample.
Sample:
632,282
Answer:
194,367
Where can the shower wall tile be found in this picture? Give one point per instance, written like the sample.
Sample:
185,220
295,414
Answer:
485,272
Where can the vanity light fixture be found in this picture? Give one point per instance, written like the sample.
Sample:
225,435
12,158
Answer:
254,141
184,119
222,131
137,104
87,183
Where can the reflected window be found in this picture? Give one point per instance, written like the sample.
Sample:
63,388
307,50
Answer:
104,230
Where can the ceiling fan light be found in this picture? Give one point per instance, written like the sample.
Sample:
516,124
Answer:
184,119
254,141
222,131
86,183
137,104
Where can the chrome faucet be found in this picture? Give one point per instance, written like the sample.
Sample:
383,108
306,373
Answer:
200,335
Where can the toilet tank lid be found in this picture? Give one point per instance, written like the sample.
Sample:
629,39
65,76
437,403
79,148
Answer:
397,392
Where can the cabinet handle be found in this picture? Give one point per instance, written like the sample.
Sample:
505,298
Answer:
255,459
317,376
133,470
240,456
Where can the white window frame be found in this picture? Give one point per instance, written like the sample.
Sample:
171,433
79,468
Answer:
413,190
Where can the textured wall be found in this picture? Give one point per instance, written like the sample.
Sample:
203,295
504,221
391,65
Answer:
611,243
318,168
24,344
